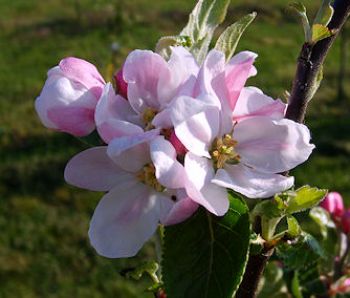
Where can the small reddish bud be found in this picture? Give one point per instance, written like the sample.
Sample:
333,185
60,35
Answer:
333,203
345,222
179,147
122,86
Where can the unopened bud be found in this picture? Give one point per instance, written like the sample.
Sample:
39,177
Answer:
333,203
122,86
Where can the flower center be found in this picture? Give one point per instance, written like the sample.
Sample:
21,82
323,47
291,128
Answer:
148,116
147,175
223,151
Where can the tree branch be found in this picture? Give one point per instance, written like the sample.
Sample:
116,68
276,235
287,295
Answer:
310,62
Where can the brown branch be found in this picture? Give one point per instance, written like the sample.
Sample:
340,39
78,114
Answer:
253,273
310,61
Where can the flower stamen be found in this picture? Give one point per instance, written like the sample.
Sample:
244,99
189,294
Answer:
224,152
147,175
147,118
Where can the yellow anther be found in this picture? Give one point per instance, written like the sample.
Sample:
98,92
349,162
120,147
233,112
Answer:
148,176
224,152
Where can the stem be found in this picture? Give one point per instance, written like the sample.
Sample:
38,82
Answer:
339,265
310,62
253,273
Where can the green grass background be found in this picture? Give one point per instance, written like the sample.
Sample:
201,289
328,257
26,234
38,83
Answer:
44,249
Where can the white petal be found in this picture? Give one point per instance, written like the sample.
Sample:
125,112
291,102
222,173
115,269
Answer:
253,102
142,71
131,153
169,172
124,220
196,122
94,170
251,183
114,116
199,188
272,146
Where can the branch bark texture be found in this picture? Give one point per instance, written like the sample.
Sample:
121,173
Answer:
310,62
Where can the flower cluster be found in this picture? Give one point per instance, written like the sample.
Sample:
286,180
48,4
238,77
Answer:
177,135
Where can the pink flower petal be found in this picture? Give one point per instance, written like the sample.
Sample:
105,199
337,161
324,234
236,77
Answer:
272,146
199,188
78,121
196,122
83,72
169,172
131,153
114,116
229,84
251,183
142,72
92,169
182,210
252,102
124,220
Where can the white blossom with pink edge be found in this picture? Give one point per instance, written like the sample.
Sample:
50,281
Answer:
242,144
152,85
69,97
139,196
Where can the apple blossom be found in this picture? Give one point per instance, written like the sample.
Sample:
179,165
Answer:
69,96
152,83
122,86
138,196
246,154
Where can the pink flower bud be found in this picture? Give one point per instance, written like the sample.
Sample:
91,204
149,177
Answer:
69,97
333,203
345,222
179,147
122,86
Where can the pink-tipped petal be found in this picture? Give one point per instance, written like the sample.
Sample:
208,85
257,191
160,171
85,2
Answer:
131,153
83,72
272,146
179,147
251,183
228,85
124,220
78,121
334,204
252,102
196,122
92,169
182,210
169,172
114,116
142,72
199,188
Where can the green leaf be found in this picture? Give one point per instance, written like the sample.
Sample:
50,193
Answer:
301,254
149,268
294,229
229,39
272,283
322,219
319,32
206,255
304,198
325,13
301,10
295,286
164,44
203,21
269,209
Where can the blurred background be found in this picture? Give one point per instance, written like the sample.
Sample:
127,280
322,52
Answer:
44,248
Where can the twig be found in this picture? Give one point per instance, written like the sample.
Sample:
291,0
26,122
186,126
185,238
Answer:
310,61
